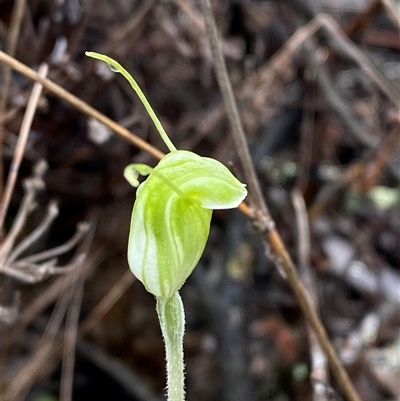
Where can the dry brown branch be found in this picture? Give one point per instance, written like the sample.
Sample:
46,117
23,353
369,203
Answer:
9,314
26,376
20,148
192,13
266,78
80,105
70,335
31,186
363,18
57,251
51,352
118,371
17,390
375,168
393,11
319,368
263,79
307,145
362,175
258,85
88,110
49,295
24,379
128,28
106,303
27,270
71,330
262,219
258,205
38,232
337,103
15,26
359,58
365,335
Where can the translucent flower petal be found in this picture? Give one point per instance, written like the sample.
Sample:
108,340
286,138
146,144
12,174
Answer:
171,218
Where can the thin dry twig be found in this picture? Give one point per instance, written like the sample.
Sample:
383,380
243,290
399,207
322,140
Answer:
393,11
22,139
70,334
88,110
307,137
38,232
48,296
118,371
27,270
15,26
263,221
51,352
17,390
26,376
80,105
82,228
319,373
71,331
192,13
107,303
375,167
24,379
127,28
359,58
362,175
9,313
365,335
338,104
361,20
259,84
263,216
31,186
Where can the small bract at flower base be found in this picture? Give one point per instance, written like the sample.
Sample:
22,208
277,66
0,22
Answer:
170,226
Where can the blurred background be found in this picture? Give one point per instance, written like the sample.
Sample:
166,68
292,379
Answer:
317,84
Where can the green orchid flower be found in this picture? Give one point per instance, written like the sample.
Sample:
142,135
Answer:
170,226
171,217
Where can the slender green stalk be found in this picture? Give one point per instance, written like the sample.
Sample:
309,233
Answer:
172,320
117,67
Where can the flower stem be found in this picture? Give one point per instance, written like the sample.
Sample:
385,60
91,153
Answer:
117,67
172,320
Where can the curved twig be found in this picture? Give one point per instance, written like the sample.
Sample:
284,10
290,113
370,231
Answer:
263,221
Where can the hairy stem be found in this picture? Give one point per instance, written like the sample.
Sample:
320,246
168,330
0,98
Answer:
172,320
